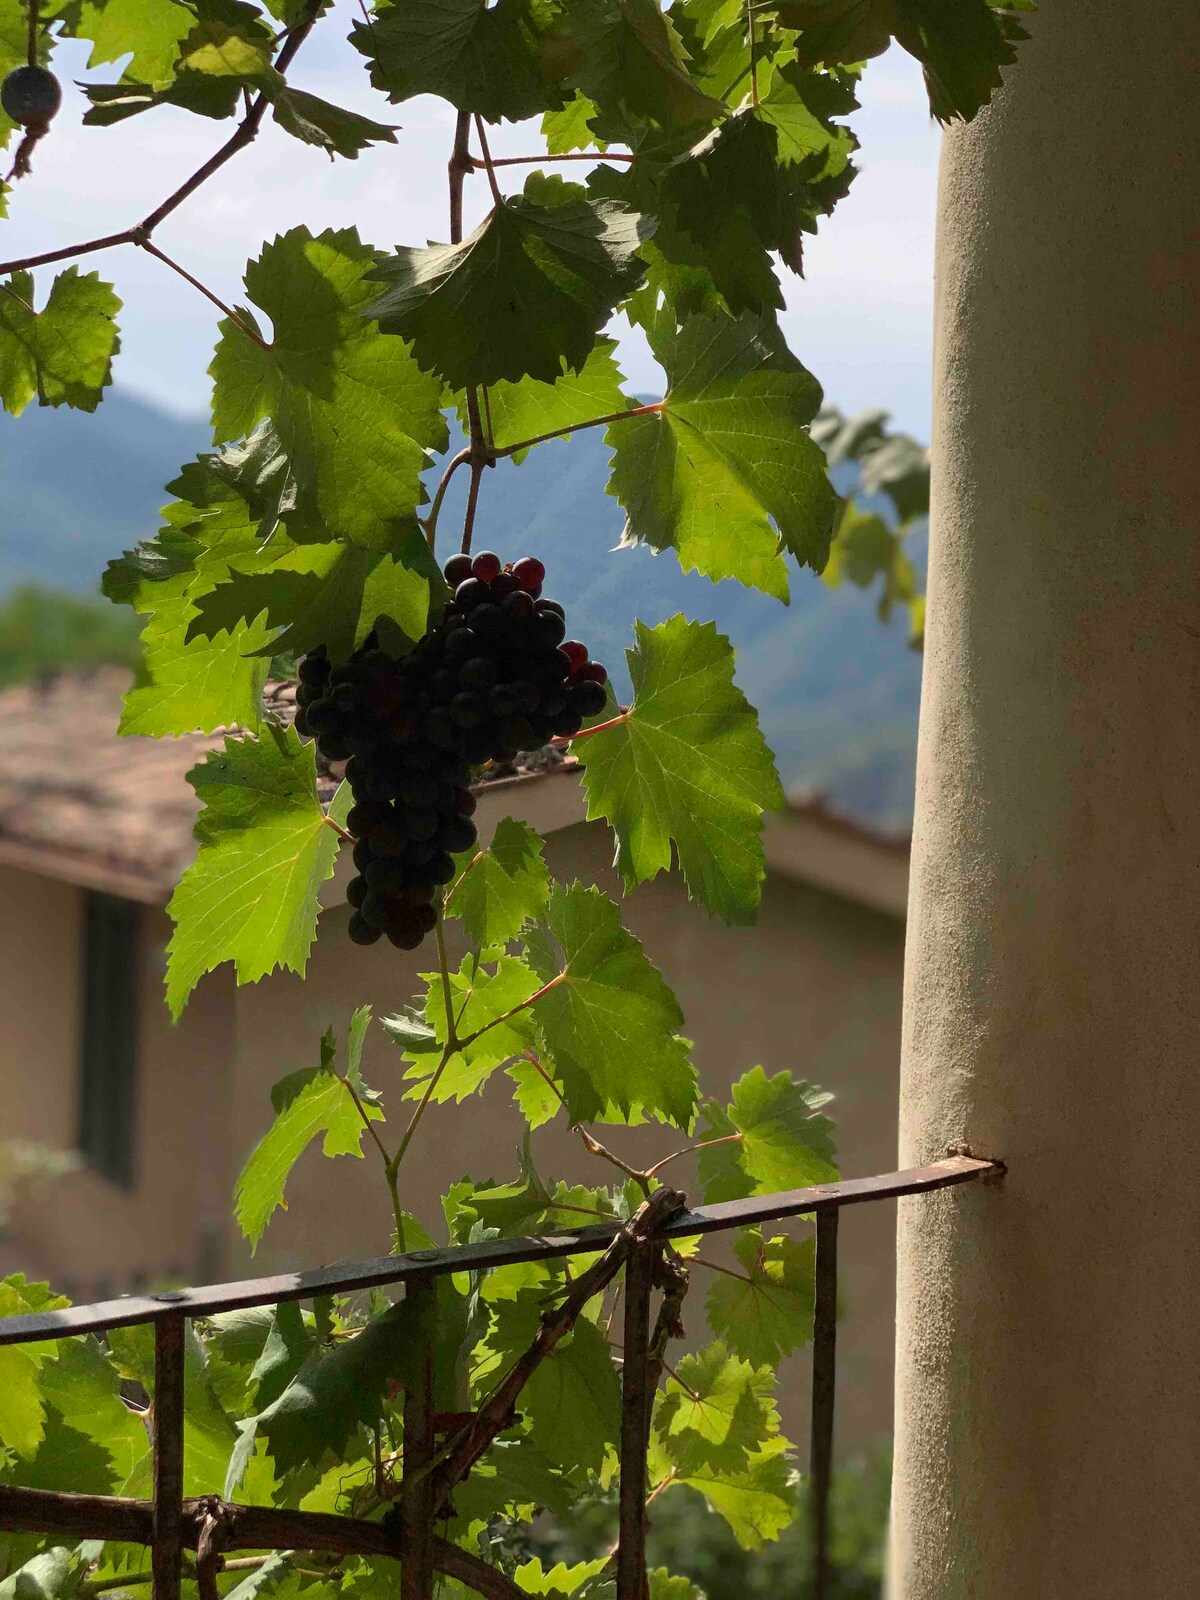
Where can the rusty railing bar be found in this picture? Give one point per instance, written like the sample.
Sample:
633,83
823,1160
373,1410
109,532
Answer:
636,1400
95,1516
824,1385
416,1487
166,1559
347,1276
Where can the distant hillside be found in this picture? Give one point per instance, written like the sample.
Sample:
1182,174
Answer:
838,691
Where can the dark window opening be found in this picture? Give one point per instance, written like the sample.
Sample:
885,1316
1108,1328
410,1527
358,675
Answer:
108,1042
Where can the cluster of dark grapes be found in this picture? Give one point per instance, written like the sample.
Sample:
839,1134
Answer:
497,675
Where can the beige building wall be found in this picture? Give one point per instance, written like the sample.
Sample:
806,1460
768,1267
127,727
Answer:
814,987
92,1236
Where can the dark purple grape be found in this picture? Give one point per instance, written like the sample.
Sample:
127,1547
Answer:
575,652
422,825
504,584
419,852
301,724
464,802
470,594
347,698
356,891
588,698
418,788
457,570
31,96
502,701
593,672
529,571
441,730
362,931
460,646
322,715
467,710
547,628
335,747
487,623
426,917
457,834
374,908
517,604
385,877
479,672
486,566
314,669
363,855
552,606
568,724
363,817
419,892
441,867
527,696
443,684
518,733
390,839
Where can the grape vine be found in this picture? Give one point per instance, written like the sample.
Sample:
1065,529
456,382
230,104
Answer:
709,137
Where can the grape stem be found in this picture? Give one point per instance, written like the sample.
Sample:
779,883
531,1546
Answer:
561,741
594,1148
238,322
31,40
487,161
341,832
715,1266
572,155
577,427
460,460
13,295
705,1144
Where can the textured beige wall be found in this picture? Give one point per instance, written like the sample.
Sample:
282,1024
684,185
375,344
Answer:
814,986
90,1235
1049,1330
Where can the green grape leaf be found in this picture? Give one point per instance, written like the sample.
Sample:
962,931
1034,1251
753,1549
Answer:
770,1316
756,1502
608,1019
336,1391
63,353
68,1461
480,999
785,1142
54,1575
528,409
568,129
514,1479
314,1101
688,766
536,1098
487,59
290,1341
230,40
85,1387
666,1585
500,889
506,1209
716,1410
149,32
329,127
558,1580
572,1403
250,896
527,292
357,418
323,594
627,57
724,472
22,1413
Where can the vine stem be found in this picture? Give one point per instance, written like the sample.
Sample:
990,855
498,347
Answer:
594,1148
13,295
487,161
578,427
572,155
152,249
753,42
342,833
452,1044
514,1011
452,466
715,1266
705,1144
31,38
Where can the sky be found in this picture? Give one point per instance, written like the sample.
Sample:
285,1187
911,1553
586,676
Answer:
860,319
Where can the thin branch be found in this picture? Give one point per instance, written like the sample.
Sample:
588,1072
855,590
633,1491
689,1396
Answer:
237,321
487,161
715,1266
594,1148
31,37
535,1062
452,1041
341,832
451,1046
242,135
574,155
472,505
452,466
460,164
705,1144
577,427
513,1011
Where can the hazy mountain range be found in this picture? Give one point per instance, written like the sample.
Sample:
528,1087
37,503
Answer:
837,690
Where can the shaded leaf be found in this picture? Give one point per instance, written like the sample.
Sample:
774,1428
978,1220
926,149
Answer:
756,1501
785,1142
527,292
771,1315
329,127
716,1411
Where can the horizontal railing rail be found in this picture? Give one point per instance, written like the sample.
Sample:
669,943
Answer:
640,1247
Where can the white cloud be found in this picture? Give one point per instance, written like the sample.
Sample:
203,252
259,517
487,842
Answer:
860,318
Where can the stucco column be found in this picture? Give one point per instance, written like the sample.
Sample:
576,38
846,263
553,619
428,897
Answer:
1048,1368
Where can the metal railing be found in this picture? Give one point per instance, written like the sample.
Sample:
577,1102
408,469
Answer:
211,1527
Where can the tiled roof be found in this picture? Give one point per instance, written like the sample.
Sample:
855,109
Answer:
79,802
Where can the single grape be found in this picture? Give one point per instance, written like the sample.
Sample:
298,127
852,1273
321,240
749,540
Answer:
505,584
529,570
31,96
374,908
502,701
362,931
385,877
471,593
548,628
517,604
593,672
575,653
363,855
314,670
443,684
588,698
417,788
335,747
347,698
543,606
356,891
419,892
569,723
426,917
487,622
457,834
441,866
441,730
527,697
464,802
422,824
479,672
461,646
486,566
457,570
302,724
390,839
363,817
467,710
